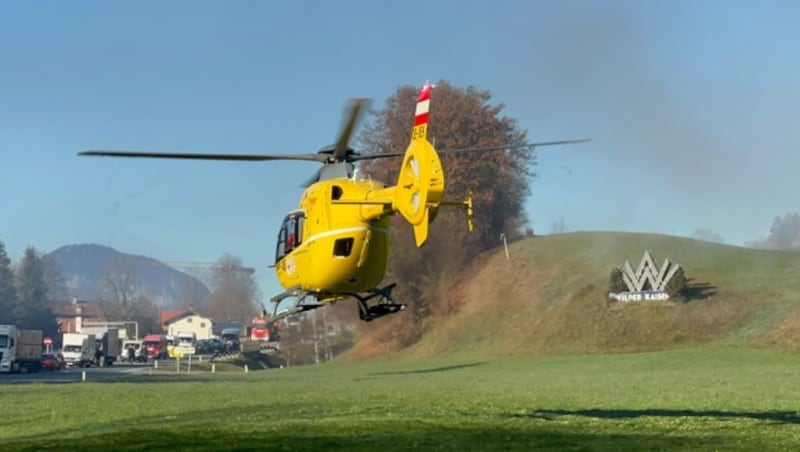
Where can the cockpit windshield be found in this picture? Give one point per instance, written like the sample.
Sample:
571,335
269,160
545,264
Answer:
291,234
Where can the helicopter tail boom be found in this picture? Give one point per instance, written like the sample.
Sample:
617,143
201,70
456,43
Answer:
420,183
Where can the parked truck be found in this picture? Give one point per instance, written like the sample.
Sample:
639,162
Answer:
110,347
186,343
156,345
79,349
20,350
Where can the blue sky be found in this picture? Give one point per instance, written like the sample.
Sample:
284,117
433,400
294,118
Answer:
693,108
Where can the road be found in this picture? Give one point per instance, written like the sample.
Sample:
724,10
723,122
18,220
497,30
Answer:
119,370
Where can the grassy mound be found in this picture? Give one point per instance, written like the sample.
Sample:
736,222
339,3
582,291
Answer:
551,297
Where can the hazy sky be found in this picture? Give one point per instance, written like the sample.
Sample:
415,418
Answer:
693,108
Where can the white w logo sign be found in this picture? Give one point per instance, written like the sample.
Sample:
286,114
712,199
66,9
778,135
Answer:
648,276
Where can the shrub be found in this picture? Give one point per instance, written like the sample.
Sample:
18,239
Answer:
616,283
677,285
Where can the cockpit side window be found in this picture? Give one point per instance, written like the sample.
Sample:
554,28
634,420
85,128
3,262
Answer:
291,235
280,250
301,220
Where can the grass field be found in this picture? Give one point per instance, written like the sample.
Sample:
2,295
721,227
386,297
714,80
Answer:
698,398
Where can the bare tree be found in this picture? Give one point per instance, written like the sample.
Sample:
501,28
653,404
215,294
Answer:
559,226
460,118
126,299
145,312
784,233
234,292
120,286
193,294
708,235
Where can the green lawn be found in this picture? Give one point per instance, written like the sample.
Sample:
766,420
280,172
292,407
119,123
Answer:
704,398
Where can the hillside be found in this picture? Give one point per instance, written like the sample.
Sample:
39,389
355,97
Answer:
86,268
550,297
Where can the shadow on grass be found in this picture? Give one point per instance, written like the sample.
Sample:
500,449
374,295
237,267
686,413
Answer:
231,429
782,417
698,290
430,370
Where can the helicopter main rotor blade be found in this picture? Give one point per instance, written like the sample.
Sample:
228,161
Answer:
376,155
518,146
340,151
196,156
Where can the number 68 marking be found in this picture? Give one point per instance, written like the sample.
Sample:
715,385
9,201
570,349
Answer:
419,132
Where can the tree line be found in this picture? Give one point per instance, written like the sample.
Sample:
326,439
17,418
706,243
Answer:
26,290
30,289
234,295
784,234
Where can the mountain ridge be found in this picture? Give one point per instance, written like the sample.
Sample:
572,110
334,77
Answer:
86,268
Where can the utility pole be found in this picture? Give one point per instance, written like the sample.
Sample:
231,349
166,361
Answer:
316,336
325,337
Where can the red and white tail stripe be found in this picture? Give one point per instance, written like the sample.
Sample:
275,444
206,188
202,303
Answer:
420,130
423,105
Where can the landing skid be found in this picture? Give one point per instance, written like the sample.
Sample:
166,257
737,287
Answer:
306,301
385,305
301,304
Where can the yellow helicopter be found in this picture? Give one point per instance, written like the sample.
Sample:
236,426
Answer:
336,244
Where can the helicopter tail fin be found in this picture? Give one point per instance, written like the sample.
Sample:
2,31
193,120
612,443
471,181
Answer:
420,184
420,129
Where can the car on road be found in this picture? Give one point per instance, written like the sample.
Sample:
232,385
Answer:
139,351
53,361
211,346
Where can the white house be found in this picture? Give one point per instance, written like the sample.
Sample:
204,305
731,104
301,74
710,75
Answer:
188,321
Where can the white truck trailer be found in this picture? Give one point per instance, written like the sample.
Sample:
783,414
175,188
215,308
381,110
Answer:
20,349
79,349
186,343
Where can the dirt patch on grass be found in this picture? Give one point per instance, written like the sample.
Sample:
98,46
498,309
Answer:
786,332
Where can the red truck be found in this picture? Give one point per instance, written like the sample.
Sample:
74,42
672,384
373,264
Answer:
156,346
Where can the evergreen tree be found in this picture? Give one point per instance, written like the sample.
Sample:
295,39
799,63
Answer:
8,292
54,280
33,309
